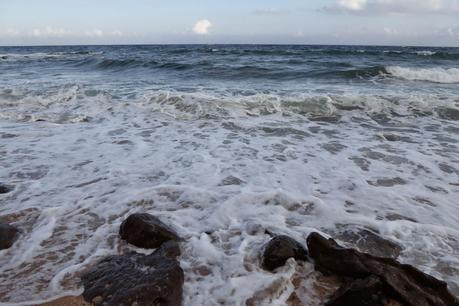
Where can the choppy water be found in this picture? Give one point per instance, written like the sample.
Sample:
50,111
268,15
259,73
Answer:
310,137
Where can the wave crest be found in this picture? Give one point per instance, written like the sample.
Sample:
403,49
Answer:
435,75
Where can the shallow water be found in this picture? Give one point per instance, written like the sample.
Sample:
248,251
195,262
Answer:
225,144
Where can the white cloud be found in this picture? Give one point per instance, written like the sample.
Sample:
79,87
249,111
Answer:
116,33
95,33
351,5
50,32
395,6
10,33
201,27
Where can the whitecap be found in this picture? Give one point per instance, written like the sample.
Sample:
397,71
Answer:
435,75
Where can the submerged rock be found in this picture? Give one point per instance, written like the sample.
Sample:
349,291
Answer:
230,180
8,235
408,284
279,249
5,188
146,231
368,241
135,279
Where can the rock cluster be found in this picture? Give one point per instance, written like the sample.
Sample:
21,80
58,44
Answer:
137,279
368,280
385,276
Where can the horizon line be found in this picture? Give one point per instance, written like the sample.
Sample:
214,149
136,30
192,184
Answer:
226,44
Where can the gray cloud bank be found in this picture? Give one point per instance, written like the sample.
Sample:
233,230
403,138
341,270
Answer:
394,6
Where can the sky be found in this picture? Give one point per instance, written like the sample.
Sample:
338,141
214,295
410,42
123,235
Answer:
361,22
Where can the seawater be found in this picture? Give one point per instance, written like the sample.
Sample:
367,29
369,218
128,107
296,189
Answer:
226,144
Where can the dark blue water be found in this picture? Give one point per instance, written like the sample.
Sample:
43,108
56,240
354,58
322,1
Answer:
238,67
226,143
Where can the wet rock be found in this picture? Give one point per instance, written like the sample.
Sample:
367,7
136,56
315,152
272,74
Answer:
7,136
411,286
369,291
8,235
397,217
169,249
5,188
389,182
279,249
230,180
146,231
135,279
328,119
368,241
334,147
391,137
448,113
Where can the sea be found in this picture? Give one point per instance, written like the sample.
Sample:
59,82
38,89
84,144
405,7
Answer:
228,145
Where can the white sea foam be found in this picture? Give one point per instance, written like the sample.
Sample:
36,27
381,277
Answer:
45,55
436,75
426,53
168,154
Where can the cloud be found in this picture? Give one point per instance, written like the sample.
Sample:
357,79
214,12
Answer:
270,11
94,33
394,6
9,33
50,32
201,27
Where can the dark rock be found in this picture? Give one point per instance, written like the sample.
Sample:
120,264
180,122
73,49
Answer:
405,282
7,136
279,249
5,188
146,231
8,235
392,137
388,182
448,113
230,180
135,279
369,242
363,292
169,249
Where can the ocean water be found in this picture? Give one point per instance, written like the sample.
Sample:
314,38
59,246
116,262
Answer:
226,144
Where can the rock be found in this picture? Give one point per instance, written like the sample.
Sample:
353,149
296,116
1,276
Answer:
5,188
146,231
410,285
169,249
279,249
369,291
231,180
448,113
135,279
8,235
368,241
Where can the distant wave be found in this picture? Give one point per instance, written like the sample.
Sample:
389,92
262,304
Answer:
435,75
47,55
426,53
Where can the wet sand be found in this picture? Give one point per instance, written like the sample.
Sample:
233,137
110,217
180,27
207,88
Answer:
67,301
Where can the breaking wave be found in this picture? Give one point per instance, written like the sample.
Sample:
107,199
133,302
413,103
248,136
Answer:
435,75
